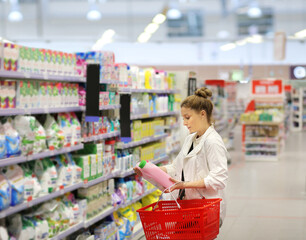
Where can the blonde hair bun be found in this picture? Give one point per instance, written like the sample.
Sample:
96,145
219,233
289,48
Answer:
203,92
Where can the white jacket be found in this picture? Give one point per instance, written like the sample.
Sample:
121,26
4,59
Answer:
206,161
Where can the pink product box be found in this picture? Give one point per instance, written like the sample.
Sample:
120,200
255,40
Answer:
7,94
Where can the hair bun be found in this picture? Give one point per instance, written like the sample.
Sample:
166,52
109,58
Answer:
203,92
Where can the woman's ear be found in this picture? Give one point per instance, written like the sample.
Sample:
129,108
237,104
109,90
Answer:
203,113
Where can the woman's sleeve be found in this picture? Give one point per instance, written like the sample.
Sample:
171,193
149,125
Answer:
217,163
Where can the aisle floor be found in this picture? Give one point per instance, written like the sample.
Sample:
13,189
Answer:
267,200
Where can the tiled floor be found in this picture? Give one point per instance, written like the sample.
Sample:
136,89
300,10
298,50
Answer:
267,200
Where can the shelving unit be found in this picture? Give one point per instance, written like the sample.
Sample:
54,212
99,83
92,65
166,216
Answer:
36,76
102,136
157,91
108,107
298,108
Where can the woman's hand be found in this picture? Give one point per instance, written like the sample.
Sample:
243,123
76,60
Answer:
178,185
137,171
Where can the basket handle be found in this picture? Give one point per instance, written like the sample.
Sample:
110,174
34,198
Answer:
178,205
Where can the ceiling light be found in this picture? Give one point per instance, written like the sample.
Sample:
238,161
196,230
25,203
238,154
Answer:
174,14
107,37
228,46
144,37
223,34
15,15
254,10
159,18
241,42
255,39
151,28
300,34
94,15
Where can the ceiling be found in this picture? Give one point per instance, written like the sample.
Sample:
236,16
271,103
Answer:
65,20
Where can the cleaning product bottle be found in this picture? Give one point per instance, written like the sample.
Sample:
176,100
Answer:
154,175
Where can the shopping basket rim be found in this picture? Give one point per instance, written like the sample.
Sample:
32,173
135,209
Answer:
217,200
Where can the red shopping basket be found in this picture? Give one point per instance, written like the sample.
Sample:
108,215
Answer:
196,219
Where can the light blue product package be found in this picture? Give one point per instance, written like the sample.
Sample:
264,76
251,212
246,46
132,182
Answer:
2,146
12,139
5,193
15,177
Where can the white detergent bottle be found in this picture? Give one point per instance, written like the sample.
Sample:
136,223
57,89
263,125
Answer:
154,175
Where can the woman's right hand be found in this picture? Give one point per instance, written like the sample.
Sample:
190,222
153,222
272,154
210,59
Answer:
137,171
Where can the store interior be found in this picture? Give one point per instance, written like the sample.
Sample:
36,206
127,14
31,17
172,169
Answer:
89,88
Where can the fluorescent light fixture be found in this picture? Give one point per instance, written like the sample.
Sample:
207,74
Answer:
241,42
174,13
300,34
94,15
254,12
144,37
255,39
151,28
15,15
228,46
159,18
107,37
223,34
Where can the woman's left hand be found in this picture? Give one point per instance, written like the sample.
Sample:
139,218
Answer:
178,185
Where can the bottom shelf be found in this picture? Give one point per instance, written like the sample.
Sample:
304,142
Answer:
261,158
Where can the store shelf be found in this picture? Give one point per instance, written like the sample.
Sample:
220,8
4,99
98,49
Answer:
141,142
39,200
262,123
261,142
108,107
102,136
101,179
260,150
104,81
262,158
55,152
20,159
37,76
68,232
16,111
174,126
158,91
144,116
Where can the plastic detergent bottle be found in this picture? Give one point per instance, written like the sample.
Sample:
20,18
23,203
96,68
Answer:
154,175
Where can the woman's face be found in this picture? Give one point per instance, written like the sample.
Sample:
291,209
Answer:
193,120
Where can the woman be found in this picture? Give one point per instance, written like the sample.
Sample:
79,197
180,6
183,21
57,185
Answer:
202,162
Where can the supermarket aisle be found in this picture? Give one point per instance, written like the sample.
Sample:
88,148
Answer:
267,200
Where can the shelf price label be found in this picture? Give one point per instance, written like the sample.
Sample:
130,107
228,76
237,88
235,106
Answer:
267,87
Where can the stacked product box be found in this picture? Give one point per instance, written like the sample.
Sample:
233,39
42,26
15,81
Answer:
7,94
143,129
41,94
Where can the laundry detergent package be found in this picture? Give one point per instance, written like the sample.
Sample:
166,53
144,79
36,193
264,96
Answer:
14,225
64,171
2,143
5,193
32,187
76,129
15,176
46,173
76,170
124,226
41,227
12,139
40,138
83,161
55,136
25,125
65,125
28,230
